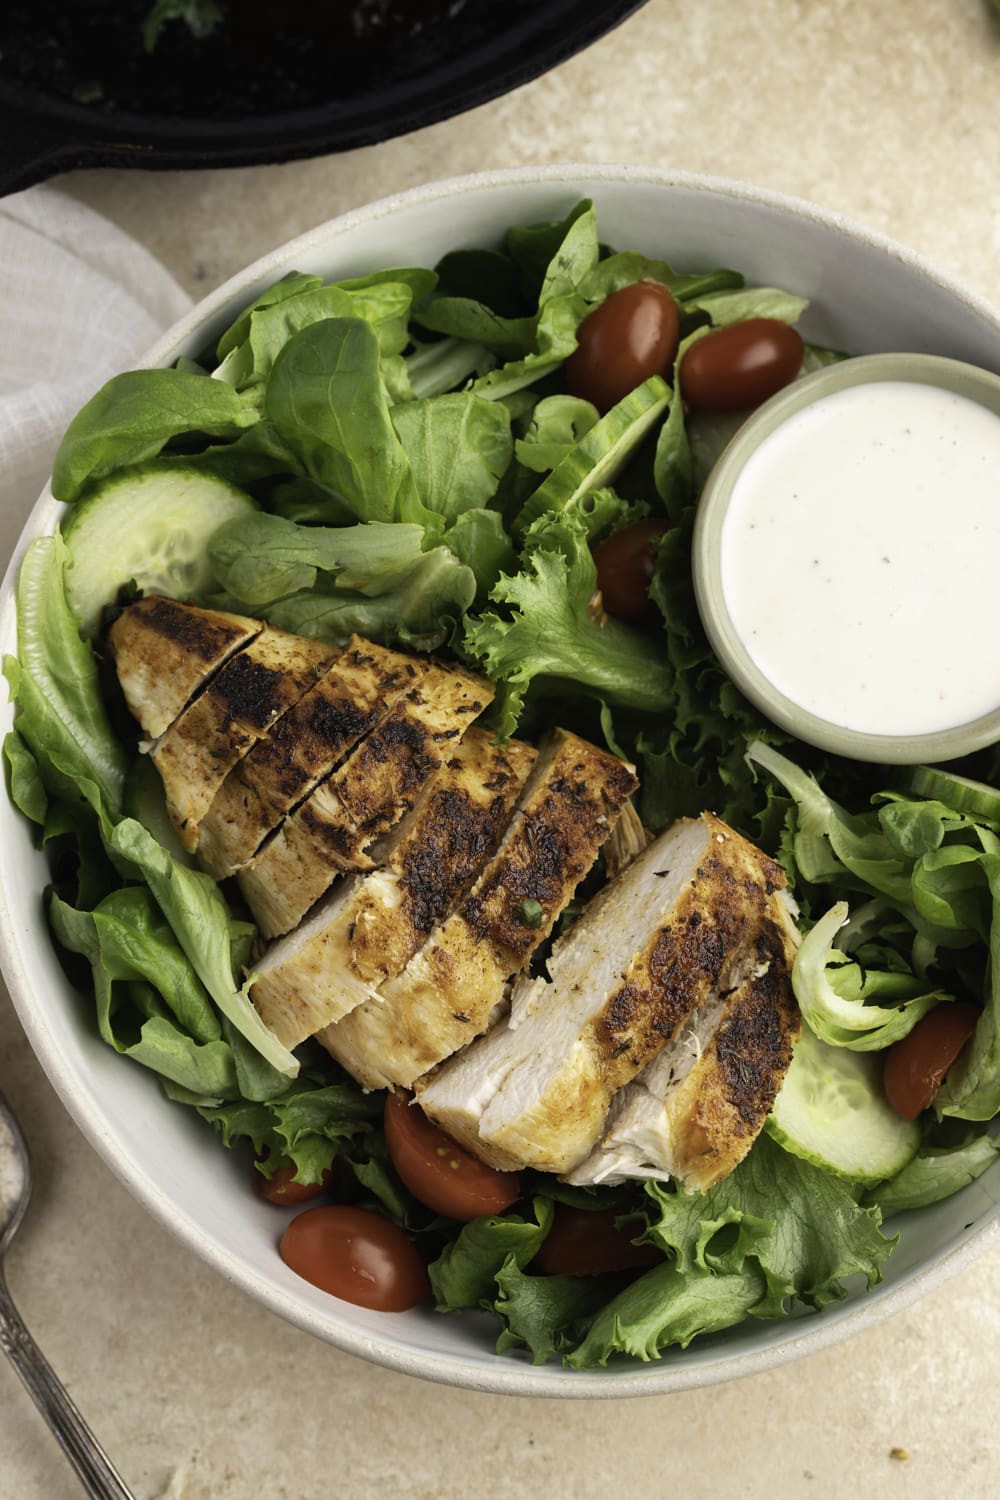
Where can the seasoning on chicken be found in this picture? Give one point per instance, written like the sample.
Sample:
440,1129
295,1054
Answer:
452,989
333,828
237,708
698,1107
164,652
305,745
646,954
371,926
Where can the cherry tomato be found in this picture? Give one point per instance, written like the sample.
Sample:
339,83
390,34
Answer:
281,1187
443,1175
357,1256
583,1242
630,336
915,1066
738,367
625,564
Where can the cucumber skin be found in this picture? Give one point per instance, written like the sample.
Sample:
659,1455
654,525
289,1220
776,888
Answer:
161,501
975,798
799,1126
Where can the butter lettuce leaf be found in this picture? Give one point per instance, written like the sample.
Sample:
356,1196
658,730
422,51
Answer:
59,713
935,1173
133,417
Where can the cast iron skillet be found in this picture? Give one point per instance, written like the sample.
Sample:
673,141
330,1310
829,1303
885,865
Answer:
77,89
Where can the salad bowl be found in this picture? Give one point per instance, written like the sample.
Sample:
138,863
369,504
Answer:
866,295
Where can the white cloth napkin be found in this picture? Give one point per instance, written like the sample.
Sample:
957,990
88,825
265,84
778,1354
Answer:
79,301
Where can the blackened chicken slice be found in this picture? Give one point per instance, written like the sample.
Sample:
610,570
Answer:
634,969
305,745
451,990
371,926
696,1110
333,829
165,652
238,707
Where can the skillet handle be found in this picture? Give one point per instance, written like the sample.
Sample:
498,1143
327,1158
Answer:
32,150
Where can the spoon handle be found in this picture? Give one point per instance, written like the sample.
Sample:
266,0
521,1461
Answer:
97,1473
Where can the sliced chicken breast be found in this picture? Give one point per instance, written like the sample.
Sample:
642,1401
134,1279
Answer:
305,744
165,651
451,990
635,968
698,1107
333,828
238,707
370,927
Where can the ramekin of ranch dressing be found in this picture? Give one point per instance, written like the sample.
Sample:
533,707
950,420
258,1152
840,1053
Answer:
847,558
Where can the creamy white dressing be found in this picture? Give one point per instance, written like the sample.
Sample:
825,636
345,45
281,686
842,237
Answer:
861,558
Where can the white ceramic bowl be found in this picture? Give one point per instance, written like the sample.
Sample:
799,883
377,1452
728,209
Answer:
866,295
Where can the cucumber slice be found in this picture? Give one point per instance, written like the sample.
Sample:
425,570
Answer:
150,524
601,454
977,798
831,1111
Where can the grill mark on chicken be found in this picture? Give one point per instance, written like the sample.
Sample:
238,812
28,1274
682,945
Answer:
245,698
371,927
165,652
643,960
557,847
754,1043
306,744
574,795
376,786
199,633
694,1112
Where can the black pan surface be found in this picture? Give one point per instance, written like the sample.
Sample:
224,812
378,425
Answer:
281,79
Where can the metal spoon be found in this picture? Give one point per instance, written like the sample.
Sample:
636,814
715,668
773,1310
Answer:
96,1471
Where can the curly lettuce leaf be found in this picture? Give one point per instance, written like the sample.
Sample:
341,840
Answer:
465,1273
548,629
802,1227
665,1307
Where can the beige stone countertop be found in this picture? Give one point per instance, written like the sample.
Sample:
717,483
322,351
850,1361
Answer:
889,112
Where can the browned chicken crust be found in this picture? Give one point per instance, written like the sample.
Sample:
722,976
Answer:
165,651
305,745
240,704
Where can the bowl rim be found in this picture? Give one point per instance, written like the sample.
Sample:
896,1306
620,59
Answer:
935,370
503,1377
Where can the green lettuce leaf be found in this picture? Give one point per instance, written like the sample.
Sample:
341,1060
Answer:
59,713
799,1225
383,304
547,1314
665,1307
24,779
935,1173
135,415
458,447
327,399
465,1273
846,1005
195,908
551,632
